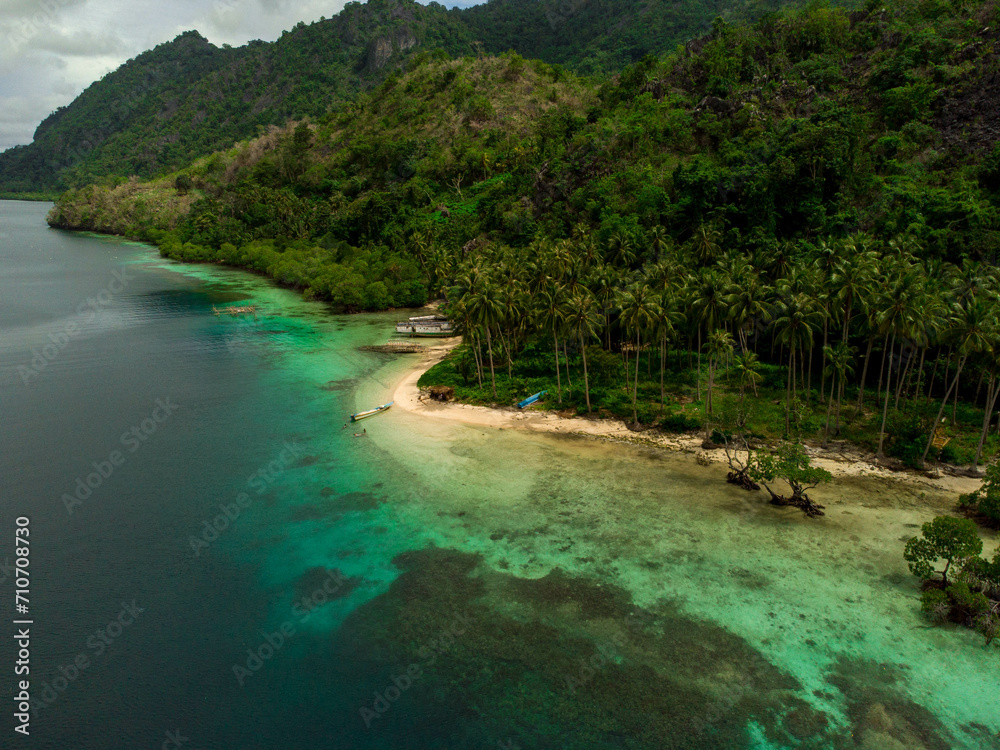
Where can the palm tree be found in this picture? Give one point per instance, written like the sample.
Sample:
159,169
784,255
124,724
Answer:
639,313
707,306
974,329
720,346
839,359
551,310
747,303
852,279
897,320
659,242
706,243
794,328
748,368
486,309
584,319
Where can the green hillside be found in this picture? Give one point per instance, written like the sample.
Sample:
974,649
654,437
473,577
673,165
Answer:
188,98
811,200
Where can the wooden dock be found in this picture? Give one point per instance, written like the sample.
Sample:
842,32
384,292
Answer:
395,347
236,310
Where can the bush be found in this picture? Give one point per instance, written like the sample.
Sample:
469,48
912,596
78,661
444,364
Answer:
676,423
967,603
934,603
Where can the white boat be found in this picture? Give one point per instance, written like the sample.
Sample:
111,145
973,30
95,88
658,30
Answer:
371,412
425,326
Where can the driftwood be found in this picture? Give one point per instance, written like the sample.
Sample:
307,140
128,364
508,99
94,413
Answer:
799,499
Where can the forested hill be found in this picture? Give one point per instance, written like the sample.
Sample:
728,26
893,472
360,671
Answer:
188,98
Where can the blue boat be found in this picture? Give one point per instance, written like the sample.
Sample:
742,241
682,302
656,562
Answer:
530,400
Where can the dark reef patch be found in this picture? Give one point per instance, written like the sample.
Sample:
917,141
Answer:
881,715
559,662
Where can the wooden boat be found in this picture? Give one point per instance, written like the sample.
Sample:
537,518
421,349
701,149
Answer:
531,399
371,412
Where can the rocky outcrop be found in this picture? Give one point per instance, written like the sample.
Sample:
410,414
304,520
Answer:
381,49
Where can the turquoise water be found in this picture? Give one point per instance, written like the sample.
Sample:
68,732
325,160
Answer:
430,585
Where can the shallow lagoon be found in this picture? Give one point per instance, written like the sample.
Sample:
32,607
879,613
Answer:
543,591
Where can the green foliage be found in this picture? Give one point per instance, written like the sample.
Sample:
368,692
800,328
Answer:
944,538
790,463
986,500
935,604
679,422
965,602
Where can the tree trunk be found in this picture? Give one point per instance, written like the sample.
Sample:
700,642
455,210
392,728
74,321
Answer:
635,390
885,408
920,373
902,378
991,397
788,393
944,403
822,372
476,353
864,374
586,382
954,408
569,378
698,379
663,365
555,344
840,398
930,383
493,375
829,408
881,370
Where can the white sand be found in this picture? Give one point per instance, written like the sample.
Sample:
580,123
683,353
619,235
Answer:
840,460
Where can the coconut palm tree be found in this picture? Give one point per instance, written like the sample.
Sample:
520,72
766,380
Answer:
839,358
720,346
486,309
897,320
584,319
748,369
639,313
706,243
974,328
551,310
707,306
794,327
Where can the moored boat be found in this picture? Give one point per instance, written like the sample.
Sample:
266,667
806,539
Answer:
371,412
425,326
531,399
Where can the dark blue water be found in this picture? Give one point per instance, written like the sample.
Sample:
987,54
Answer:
97,340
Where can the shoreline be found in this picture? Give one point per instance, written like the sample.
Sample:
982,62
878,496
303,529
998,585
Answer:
842,461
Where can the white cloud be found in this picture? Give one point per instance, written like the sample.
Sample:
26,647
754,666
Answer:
51,50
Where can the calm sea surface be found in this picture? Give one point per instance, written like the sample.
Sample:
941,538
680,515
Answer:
217,563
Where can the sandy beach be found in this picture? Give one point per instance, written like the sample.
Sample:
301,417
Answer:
840,460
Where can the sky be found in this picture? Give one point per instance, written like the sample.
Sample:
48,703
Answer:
51,50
